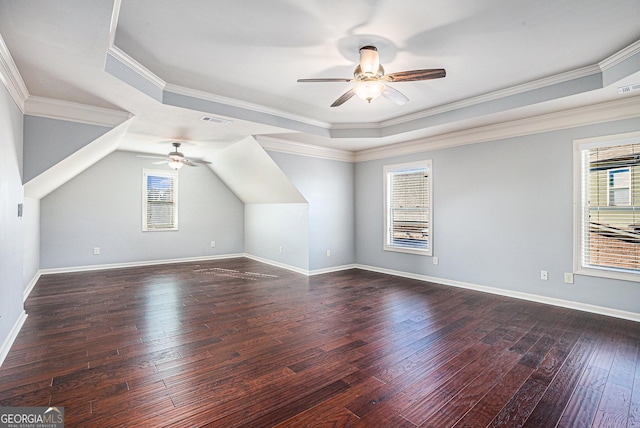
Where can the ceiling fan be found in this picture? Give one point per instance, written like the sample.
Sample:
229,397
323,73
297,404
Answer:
371,82
176,159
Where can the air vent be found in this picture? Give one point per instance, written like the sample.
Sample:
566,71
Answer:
630,88
215,119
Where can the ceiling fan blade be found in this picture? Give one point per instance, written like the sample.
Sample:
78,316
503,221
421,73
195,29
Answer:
344,98
413,75
161,162
328,79
202,162
394,95
188,162
151,157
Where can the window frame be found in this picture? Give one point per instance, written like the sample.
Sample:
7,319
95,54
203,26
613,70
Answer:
401,167
579,194
173,175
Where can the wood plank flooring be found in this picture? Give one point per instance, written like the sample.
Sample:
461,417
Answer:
239,343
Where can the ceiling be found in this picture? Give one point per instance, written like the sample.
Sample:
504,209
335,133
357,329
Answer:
168,63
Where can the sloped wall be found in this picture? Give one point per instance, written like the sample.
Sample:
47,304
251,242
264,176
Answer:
48,141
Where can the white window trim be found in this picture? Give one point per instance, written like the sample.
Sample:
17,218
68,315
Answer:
161,173
405,166
578,146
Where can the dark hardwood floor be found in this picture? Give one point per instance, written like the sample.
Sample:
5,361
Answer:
239,343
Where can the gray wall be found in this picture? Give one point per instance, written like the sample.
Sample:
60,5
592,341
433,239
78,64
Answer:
48,141
503,211
12,229
328,186
270,228
102,207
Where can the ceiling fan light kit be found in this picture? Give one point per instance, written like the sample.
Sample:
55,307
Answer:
175,164
369,89
370,81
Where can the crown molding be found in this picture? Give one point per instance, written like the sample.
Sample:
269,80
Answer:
74,112
348,125
378,126
496,95
589,70
208,96
625,108
128,61
124,58
620,56
291,147
113,24
11,77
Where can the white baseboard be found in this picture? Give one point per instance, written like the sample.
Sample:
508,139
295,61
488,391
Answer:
6,346
331,269
297,269
277,264
585,307
29,288
137,264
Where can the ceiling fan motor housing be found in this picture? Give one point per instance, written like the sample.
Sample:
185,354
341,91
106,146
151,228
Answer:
369,63
176,155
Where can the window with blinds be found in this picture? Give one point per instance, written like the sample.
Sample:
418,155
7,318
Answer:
609,214
408,208
160,200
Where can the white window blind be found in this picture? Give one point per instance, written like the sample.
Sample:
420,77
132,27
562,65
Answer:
408,213
610,208
160,200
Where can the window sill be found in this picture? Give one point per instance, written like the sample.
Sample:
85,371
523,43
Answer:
416,251
609,274
173,229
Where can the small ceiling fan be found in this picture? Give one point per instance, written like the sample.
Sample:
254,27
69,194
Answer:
176,159
371,82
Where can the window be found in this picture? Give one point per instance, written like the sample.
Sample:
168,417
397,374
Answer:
608,217
160,200
408,208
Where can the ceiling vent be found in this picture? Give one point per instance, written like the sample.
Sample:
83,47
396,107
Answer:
630,88
215,119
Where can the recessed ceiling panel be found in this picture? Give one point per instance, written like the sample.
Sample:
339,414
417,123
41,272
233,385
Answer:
255,51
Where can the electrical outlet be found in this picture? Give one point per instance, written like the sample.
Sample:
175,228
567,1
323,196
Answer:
544,275
328,253
436,260
280,249
213,244
568,277
96,251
